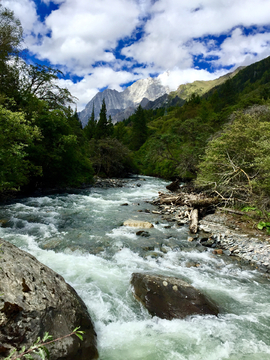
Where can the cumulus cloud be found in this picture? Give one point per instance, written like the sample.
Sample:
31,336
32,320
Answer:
177,77
25,10
83,32
173,24
82,37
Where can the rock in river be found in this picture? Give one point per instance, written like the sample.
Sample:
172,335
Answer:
34,300
138,223
169,297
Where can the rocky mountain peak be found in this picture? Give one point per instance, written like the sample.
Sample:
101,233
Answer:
121,105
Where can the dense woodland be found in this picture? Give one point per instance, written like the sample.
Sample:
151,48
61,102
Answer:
220,141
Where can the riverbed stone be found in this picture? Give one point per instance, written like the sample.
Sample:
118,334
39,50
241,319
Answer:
34,300
138,224
170,297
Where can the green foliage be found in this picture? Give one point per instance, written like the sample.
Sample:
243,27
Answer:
103,127
90,128
237,161
62,151
264,225
16,134
110,158
139,129
39,349
41,139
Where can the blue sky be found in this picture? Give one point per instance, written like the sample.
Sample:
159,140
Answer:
111,43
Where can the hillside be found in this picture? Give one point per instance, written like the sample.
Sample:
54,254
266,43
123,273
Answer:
180,137
201,87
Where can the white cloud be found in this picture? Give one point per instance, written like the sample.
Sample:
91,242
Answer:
243,49
81,33
25,10
177,77
174,23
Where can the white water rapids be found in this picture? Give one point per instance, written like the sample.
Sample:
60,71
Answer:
80,236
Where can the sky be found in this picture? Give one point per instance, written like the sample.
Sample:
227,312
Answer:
101,44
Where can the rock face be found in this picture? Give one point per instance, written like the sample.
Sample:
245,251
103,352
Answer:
169,297
121,105
34,300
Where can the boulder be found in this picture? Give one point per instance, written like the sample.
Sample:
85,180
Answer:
174,186
138,224
169,297
34,300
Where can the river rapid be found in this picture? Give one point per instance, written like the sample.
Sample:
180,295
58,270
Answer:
81,237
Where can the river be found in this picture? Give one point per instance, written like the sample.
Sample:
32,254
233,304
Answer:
81,237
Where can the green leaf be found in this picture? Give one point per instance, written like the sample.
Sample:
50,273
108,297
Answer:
79,336
47,352
46,337
249,208
42,353
29,357
261,225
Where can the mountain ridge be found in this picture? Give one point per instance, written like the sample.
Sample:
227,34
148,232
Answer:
121,105
150,94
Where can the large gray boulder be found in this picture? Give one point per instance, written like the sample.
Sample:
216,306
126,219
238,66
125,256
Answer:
169,297
34,300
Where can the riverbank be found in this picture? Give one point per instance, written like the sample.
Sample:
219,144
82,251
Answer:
223,233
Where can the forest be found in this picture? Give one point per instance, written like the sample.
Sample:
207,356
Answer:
219,141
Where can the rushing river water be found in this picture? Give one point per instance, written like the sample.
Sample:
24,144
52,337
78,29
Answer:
80,236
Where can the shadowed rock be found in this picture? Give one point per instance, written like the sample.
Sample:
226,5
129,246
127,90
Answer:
169,297
36,300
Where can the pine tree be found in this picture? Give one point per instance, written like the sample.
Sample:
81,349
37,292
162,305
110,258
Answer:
110,127
139,129
90,128
102,124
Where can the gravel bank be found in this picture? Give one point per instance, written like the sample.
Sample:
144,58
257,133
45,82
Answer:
225,234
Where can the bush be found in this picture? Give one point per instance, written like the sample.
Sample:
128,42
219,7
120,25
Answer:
237,162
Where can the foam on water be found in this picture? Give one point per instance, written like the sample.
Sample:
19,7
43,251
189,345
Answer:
61,231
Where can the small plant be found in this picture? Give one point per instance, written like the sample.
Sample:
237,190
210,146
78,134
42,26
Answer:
262,224
39,347
249,208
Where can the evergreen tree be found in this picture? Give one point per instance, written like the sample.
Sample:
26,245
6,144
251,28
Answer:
110,127
90,128
139,129
102,124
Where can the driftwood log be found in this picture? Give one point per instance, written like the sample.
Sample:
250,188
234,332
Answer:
194,219
193,200
197,202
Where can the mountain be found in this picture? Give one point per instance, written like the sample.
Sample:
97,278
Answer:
121,105
150,93
201,87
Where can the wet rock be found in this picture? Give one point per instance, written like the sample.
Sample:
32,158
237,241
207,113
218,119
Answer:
148,248
190,264
174,186
143,233
153,255
208,242
125,204
169,297
138,223
218,252
36,300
